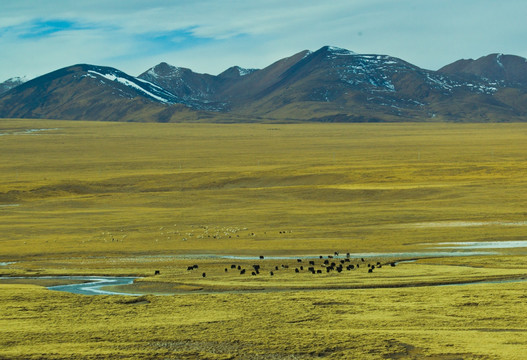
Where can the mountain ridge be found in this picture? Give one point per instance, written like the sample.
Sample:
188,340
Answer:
330,84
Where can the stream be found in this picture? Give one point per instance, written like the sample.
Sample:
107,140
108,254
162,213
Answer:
92,285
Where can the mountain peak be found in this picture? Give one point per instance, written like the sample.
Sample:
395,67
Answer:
497,67
164,70
11,83
337,50
236,72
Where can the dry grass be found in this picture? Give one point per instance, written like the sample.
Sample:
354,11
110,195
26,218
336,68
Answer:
165,188
470,322
128,199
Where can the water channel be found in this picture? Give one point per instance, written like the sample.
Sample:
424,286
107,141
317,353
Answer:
92,285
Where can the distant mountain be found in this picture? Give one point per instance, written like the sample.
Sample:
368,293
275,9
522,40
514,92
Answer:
11,83
508,70
199,91
330,84
87,92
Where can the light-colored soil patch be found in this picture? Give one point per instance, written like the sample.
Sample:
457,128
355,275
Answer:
454,224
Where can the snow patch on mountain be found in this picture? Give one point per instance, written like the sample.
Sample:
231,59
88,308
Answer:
447,86
12,83
498,60
372,70
243,71
165,70
308,53
131,84
340,51
17,80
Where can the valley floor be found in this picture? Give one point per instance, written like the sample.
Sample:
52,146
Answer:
118,199
210,319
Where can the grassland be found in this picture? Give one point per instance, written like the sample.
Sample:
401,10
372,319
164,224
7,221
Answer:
128,199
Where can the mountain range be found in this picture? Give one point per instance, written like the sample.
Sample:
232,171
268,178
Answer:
330,84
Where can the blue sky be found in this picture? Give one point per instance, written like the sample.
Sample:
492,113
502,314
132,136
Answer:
208,36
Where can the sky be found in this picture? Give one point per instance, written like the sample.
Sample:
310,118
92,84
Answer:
209,36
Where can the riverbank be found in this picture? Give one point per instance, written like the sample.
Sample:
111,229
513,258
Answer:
209,275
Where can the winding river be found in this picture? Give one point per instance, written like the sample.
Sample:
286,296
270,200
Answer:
92,285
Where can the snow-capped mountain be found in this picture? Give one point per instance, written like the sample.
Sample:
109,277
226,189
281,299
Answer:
127,84
194,90
11,83
85,92
504,70
330,84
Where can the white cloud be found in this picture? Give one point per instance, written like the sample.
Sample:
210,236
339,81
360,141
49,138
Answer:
209,35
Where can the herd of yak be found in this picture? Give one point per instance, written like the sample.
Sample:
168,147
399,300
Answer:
324,264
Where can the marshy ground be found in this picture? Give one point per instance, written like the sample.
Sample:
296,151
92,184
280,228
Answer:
129,199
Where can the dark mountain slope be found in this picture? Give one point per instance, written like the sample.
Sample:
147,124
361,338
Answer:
330,84
85,92
508,70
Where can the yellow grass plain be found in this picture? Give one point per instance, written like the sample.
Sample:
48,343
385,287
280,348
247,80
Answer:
96,198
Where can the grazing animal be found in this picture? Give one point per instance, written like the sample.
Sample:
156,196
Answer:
233,266
336,253
190,268
326,262
203,274
392,264
239,267
195,266
242,272
157,272
319,271
226,270
299,260
348,255
370,270
261,256
276,267
301,268
271,273
296,270
362,259
312,263
253,273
